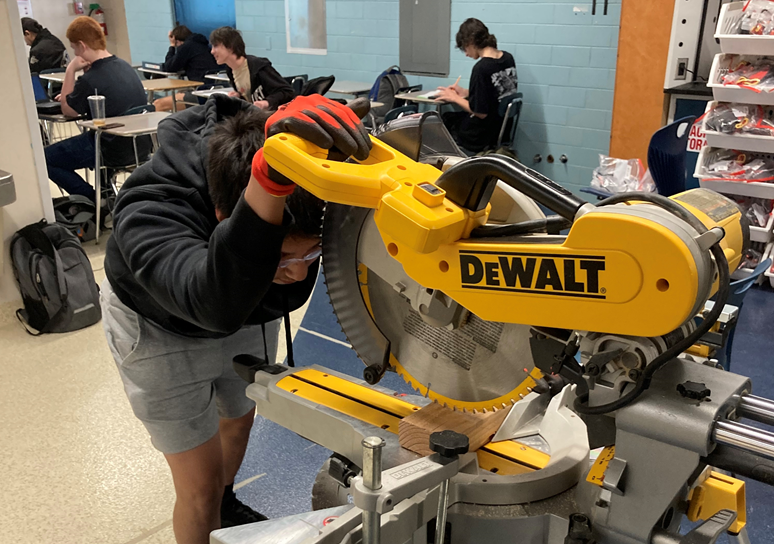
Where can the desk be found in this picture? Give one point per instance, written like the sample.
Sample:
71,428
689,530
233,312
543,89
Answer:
49,119
419,98
159,72
166,84
133,126
355,88
209,92
56,76
221,76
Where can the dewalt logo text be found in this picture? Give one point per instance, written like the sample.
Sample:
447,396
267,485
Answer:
546,274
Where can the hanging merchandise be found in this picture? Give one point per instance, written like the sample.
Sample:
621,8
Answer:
97,13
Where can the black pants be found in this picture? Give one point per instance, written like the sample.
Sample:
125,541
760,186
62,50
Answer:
471,133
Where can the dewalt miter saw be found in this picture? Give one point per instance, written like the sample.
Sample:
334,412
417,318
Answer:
446,270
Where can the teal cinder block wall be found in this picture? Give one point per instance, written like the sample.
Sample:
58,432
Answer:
148,23
566,61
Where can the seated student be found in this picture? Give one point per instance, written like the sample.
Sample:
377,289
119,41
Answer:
46,50
252,78
190,53
208,251
493,76
104,74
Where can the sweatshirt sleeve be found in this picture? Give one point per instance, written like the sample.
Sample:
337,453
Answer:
213,282
276,89
177,58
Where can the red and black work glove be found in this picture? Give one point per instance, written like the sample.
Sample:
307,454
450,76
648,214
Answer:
322,121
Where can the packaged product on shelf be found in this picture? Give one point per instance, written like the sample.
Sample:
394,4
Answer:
757,210
622,176
758,18
740,119
730,165
750,259
756,76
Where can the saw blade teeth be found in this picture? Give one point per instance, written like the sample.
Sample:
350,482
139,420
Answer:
504,406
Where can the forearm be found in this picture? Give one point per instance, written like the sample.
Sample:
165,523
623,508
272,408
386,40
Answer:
214,281
463,103
67,87
268,207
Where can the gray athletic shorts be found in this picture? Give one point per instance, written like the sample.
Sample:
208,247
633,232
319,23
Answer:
178,386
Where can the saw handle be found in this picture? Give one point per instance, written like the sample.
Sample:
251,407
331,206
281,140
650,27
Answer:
360,183
470,184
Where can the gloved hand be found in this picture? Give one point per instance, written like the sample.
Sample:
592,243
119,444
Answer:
323,122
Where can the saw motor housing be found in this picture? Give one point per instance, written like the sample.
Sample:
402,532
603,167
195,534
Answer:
594,279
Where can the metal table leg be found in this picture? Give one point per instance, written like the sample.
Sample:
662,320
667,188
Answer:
98,180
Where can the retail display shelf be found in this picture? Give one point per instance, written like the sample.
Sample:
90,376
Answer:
742,142
742,44
734,93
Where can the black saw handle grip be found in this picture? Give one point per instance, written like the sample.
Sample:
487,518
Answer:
470,184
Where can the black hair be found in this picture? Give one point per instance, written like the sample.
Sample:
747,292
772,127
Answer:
307,211
229,164
230,38
474,32
181,33
31,25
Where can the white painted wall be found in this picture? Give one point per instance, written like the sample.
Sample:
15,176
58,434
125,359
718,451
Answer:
21,149
56,15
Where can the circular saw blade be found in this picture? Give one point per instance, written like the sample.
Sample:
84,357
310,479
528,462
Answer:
478,366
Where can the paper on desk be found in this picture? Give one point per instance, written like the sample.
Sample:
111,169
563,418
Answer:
430,95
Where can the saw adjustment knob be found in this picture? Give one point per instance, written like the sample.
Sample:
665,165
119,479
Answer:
449,444
693,390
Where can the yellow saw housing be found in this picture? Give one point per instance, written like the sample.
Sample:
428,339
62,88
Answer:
619,270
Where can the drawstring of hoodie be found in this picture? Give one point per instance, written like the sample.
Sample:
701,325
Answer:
288,336
265,348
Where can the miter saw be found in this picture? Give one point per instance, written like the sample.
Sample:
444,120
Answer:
446,270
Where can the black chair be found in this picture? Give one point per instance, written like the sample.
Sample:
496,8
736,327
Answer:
297,82
509,109
318,85
410,89
400,111
143,145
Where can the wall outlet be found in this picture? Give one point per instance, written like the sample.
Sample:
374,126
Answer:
682,69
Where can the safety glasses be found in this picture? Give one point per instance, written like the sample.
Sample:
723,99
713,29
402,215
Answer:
308,258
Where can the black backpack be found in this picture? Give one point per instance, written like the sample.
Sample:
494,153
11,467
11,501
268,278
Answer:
77,213
55,279
387,84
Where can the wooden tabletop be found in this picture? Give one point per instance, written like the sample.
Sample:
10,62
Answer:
168,84
133,125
